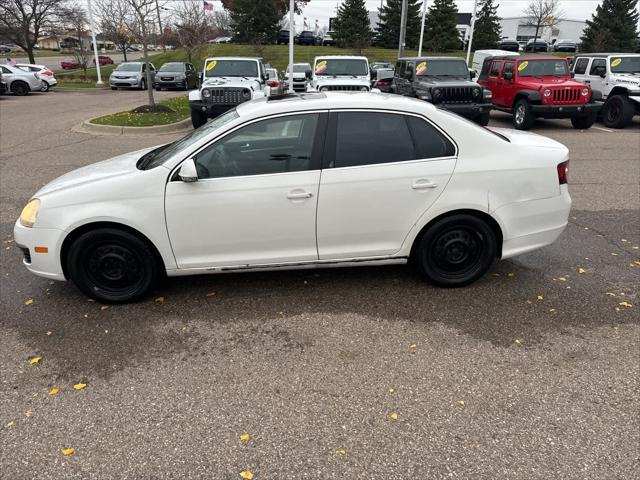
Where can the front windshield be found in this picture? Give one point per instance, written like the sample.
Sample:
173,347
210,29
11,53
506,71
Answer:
301,67
442,68
161,154
341,66
129,67
231,68
625,64
540,68
172,67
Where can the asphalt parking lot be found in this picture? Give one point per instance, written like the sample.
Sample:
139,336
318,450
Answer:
530,373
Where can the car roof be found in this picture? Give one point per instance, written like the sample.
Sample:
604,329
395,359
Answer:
628,54
337,57
234,58
431,58
515,56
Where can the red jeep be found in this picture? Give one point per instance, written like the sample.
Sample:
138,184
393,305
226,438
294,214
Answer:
538,86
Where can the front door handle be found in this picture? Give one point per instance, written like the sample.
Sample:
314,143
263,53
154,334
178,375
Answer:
299,195
424,185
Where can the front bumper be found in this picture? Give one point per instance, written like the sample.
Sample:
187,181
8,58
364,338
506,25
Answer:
468,110
565,111
211,110
45,265
171,84
124,82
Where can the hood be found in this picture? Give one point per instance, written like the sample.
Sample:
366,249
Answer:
343,80
114,167
535,83
244,82
518,137
446,83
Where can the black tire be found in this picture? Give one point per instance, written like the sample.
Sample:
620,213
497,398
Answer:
143,84
20,88
523,118
583,122
617,111
44,87
114,88
456,251
198,118
483,119
112,266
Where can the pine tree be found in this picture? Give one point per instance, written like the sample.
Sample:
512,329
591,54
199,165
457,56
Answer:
389,23
487,31
351,25
255,22
612,28
440,32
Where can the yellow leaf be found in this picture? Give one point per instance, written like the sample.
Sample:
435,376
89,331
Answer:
461,403
28,301
391,390
341,452
54,391
517,342
529,302
79,386
614,254
160,300
581,270
10,424
562,279
625,304
68,451
28,413
611,294
245,437
35,360
394,416
511,274
246,474
540,297
104,307
49,333
413,345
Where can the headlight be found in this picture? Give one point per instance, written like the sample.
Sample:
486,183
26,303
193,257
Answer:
424,96
324,89
30,213
246,93
476,92
206,93
585,91
547,92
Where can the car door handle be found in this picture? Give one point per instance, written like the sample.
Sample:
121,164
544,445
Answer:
299,195
424,185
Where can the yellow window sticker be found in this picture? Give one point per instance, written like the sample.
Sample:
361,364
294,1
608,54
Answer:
615,62
421,69
211,65
321,66
523,65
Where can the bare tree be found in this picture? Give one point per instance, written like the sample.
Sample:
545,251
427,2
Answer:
221,23
74,18
114,17
191,27
543,13
141,25
23,21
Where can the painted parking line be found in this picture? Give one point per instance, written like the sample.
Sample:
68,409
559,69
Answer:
603,129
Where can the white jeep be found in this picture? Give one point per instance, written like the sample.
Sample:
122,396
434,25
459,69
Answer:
340,73
226,83
617,76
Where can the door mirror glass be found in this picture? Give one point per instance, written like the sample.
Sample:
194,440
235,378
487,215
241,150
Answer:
472,74
188,172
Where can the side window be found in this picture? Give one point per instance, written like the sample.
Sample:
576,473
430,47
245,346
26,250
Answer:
5,70
508,68
581,66
408,70
495,68
429,142
399,69
276,145
597,62
368,138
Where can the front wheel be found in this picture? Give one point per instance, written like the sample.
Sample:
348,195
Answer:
523,118
198,118
112,266
617,111
483,119
583,122
456,251
20,89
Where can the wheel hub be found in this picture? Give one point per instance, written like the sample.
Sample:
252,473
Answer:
113,266
457,251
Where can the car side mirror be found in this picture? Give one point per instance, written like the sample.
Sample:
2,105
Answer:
188,172
265,77
308,74
602,72
507,76
472,74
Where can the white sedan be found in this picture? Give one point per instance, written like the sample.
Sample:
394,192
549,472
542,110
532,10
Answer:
318,180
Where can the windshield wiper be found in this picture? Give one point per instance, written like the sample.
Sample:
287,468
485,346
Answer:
148,157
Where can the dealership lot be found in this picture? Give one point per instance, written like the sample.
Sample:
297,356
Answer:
532,372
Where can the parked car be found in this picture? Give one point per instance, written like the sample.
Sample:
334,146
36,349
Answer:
182,75
20,82
302,74
276,87
564,45
328,40
617,76
131,75
405,182
509,45
340,73
283,37
306,37
445,82
539,45
374,66
5,49
219,40
480,55
3,85
227,82
384,80
69,64
535,86
47,77
103,59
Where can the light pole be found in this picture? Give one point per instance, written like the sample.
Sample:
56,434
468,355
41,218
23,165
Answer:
403,29
424,16
95,45
291,27
473,26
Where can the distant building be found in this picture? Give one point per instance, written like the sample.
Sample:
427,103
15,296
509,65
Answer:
518,29
463,24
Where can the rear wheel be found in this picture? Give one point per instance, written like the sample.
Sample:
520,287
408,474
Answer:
523,118
198,118
483,119
456,251
583,122
112,266
20,88
617,111
44,87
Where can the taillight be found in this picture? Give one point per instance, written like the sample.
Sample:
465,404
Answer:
48,73
273,83
563,173
382,83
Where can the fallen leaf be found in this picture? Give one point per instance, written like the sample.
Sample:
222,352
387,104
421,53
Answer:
529,302
413,345
624,240
517,342
54,391
246,474
496,274
35,360
28,413
245,437
511,274
68,451
614,254
28,301
540,297
79,386
49,333
625,304
611,294
582,270
211,294
562,279
391,390
341,452
461,403
394,416
160,300
10,424
103,307
552,310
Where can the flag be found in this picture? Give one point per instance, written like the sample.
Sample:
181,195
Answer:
208,5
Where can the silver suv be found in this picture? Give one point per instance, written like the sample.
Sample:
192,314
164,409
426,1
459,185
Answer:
20,82
131,75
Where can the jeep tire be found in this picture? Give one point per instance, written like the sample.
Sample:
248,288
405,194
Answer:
198,118
583,122
523,117
483,119
617,111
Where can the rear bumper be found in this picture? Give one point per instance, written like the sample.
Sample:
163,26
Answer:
565,111
470,110
45,265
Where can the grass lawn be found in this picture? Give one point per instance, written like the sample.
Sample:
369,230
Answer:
78,84
179,105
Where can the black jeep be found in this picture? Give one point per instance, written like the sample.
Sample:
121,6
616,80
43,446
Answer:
446,82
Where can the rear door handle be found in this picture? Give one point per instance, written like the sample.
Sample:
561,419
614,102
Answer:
424,185
299,195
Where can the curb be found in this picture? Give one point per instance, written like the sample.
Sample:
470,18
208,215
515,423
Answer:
96,129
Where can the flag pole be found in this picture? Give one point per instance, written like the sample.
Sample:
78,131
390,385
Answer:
291,27
424,15
473,26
